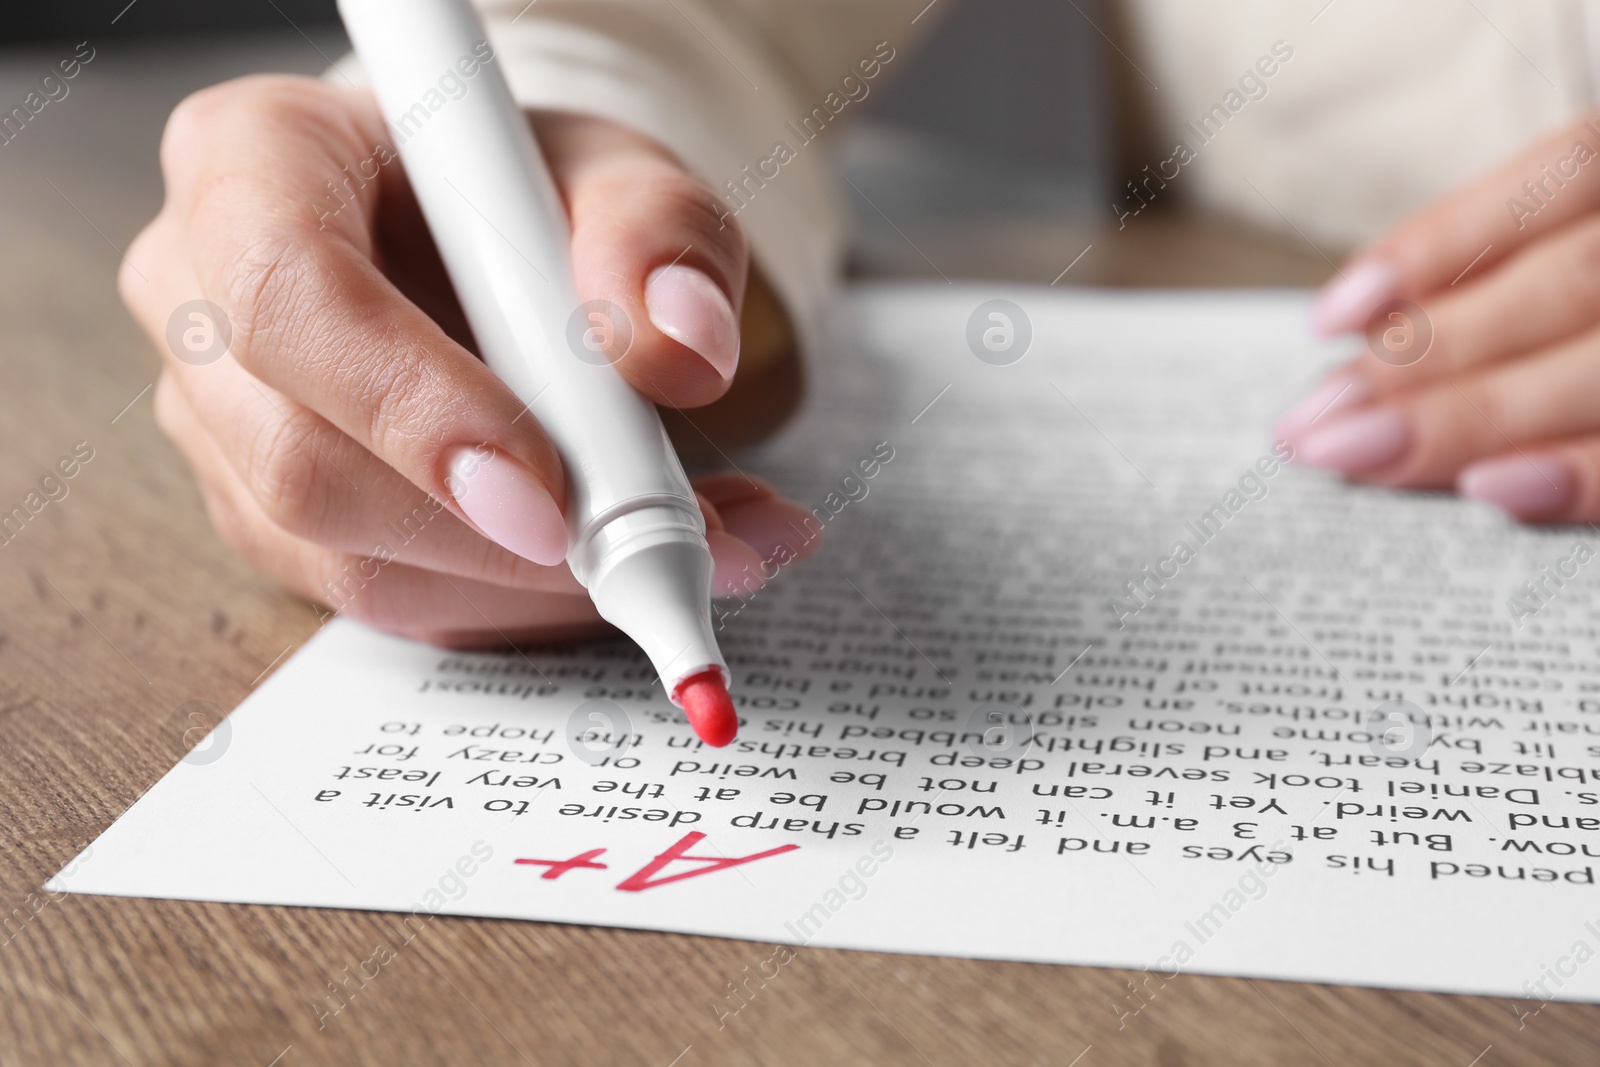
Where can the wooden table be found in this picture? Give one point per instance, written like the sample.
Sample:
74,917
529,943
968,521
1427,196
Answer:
120,607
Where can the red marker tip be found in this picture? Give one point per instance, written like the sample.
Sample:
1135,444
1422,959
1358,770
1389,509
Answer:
705,700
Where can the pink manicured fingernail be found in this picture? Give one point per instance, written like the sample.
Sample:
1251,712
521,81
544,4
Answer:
736,567
688,307
1357,443
1526,487
508,503
1339,394
1345,304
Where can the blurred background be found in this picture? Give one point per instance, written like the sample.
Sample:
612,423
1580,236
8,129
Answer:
993,152
960,129
945,146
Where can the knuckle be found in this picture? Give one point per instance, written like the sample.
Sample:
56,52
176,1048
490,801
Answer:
191,124
196,120
248,99
283,473
258,104
261,255
401,392
269,287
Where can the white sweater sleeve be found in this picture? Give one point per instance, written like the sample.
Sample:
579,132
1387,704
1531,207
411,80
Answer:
746,92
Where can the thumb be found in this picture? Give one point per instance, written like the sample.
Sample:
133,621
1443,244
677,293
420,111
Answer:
659,265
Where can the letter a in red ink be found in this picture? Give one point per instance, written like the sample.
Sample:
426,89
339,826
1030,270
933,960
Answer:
641,879
560,867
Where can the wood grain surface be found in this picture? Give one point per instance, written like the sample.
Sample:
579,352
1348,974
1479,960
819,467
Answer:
119,607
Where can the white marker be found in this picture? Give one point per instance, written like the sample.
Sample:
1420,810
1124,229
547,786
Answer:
635,535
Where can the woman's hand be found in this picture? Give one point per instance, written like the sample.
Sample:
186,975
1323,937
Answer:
1504,404
348,442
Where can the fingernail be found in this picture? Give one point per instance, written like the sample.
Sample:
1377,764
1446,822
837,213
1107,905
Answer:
1345,304
1526,487
508,503
688,307
1340,393
1357,443
736,567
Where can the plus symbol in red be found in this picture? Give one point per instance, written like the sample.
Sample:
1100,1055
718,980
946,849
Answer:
578,862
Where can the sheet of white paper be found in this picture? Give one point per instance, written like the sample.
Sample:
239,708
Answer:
1195,777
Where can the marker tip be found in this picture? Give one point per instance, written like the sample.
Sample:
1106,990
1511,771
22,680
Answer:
705,700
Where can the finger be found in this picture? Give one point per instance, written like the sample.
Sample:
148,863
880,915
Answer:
315,484
1540,296
314,318
1423,438
1552,482
732,487
1473,228
764,393
1543,294
333,577
460,612
393,596
308,478
654,241
752,510
736,568
778,529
